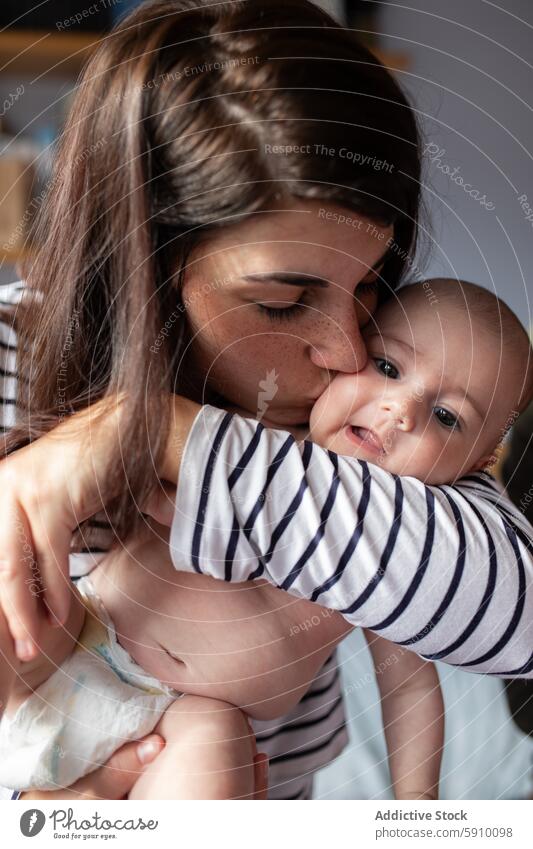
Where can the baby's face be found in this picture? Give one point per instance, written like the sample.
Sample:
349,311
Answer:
432,401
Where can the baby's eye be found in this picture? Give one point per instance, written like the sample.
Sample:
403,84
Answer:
386,368
446,418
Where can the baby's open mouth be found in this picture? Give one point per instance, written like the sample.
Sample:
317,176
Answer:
366,438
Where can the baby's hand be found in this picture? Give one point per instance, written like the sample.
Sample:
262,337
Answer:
414,795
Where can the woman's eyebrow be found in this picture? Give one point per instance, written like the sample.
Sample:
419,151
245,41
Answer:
296,278
291,278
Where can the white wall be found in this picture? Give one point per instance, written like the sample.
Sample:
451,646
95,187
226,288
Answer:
471,79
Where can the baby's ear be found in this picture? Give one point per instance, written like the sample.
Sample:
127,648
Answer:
485,463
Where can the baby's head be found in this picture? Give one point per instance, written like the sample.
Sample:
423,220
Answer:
449,369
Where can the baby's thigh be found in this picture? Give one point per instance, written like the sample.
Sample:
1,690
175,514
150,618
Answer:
209,752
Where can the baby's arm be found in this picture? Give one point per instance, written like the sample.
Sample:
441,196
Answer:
413,718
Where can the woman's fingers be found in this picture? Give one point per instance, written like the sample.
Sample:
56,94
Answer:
19,581
261,776
115,779
51,544
46,488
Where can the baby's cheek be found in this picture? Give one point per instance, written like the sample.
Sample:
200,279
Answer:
333,409
437,463
320,420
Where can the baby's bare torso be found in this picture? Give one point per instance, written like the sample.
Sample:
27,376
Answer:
248,644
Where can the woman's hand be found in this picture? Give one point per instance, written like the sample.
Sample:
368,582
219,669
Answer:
46,489
117,777
261,775
114,780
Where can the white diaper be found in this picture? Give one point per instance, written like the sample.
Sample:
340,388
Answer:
98,699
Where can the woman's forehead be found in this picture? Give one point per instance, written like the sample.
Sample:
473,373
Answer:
302,236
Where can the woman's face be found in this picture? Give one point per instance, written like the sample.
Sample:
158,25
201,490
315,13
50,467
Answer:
275,306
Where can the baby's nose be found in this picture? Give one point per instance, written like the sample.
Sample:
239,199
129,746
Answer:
405,422
400,413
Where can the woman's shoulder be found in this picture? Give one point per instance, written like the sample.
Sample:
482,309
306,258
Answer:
11,293
10,296
98,536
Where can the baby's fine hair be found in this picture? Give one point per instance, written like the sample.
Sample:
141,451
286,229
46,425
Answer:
495,315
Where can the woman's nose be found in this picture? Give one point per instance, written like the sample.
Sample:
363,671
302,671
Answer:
339,349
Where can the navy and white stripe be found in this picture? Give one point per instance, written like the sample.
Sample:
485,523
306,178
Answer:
297,745
446,571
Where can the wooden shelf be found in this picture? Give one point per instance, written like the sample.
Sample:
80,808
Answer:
14,256
392,60
41,52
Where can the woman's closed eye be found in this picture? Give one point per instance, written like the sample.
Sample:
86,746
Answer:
281,313
367,286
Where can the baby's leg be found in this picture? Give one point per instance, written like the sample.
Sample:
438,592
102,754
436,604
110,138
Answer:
208,754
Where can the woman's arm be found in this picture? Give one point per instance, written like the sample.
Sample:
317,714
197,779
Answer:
46,489
444,571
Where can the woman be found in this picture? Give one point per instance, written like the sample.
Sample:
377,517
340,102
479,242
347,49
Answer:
223,181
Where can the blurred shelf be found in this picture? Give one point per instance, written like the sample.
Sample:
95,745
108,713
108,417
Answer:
392,60
37,52
40,52
11,257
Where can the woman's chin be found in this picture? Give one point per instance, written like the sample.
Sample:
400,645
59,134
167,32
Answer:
285,417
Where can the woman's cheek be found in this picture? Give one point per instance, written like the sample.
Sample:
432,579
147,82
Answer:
239,360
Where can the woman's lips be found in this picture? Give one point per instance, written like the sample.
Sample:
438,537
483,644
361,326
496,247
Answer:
365,438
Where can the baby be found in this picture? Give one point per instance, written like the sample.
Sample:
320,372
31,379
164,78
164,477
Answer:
444,381
146,647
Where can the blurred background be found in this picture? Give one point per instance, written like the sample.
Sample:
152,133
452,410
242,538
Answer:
467,68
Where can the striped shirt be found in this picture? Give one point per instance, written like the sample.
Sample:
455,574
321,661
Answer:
309,737
446,571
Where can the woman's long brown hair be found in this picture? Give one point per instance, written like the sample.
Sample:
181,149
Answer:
170,136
